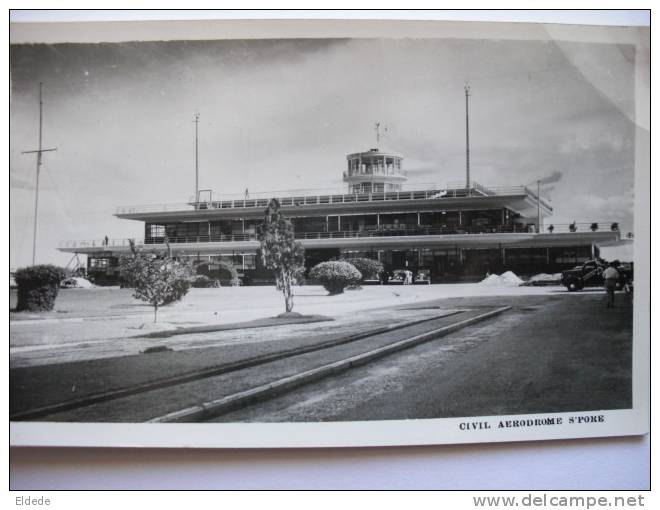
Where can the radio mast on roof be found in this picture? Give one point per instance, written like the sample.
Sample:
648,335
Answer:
378,133
39,153
467,139
196,121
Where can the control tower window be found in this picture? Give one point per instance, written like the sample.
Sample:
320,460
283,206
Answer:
156,231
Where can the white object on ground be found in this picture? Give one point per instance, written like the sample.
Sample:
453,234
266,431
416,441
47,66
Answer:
508,279
82,283
545,277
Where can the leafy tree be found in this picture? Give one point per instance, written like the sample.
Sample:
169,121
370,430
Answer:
280,251
594,227
158,280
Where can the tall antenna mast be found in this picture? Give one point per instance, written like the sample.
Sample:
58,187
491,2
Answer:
377,134
196,121
467,138
538,205
38,152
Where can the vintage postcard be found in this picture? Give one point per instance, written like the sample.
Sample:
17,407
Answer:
327,233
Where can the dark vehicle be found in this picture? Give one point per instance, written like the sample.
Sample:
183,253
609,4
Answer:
590,274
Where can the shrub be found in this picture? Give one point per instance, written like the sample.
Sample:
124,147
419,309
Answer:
38,287
335,276
204,282
369,268
226,272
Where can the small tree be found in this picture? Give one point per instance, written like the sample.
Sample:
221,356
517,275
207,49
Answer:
614,227
38,287
335,275
572,227
551,228
593,227
158,280
280,251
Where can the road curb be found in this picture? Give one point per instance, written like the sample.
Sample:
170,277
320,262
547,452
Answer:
223,405
194,375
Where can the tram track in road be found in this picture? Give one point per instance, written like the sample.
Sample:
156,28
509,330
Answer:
206,393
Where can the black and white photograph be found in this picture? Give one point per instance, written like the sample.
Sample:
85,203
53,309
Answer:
431,235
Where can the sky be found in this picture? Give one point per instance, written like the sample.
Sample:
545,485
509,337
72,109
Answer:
280,115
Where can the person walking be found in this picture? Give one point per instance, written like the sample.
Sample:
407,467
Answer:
611,276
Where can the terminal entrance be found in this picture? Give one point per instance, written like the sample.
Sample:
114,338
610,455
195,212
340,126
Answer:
399,259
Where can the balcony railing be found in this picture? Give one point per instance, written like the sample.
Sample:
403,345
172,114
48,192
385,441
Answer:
303,200
374,231
380,171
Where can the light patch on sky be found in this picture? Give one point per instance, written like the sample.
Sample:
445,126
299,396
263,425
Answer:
277,115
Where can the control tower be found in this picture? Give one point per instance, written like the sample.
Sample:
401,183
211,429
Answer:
374,171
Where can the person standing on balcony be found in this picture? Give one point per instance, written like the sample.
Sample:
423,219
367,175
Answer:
247,194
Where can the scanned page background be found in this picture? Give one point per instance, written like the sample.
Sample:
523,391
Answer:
616,463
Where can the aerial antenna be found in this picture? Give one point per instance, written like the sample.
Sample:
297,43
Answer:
196,121
378,133
467,138
39,153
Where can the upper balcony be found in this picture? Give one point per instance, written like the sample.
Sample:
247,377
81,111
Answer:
601,231
260,201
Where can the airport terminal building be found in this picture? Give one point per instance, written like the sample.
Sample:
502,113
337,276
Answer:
456,233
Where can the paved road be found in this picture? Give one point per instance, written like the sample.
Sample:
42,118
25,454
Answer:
549,354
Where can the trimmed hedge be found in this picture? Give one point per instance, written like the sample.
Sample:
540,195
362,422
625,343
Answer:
38,287
204,282
369,268
226,272
335,275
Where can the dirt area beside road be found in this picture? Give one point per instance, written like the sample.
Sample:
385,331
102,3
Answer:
106,322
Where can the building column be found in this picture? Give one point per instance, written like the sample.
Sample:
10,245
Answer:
418,219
